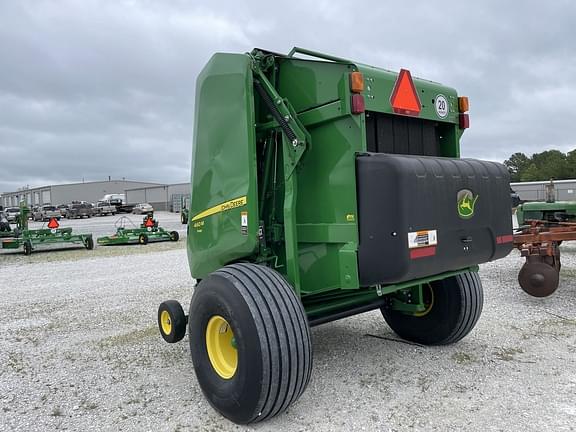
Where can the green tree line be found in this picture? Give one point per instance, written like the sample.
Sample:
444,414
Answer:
542,166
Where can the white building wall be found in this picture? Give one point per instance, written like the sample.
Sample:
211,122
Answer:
536,191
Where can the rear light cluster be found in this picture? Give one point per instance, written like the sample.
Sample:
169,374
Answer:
463,107
358,106
357,87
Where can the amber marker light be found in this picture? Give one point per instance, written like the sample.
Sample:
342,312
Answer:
356,82
463,104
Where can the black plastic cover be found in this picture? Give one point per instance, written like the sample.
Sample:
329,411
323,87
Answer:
420,216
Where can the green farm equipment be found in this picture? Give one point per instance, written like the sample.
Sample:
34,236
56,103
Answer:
184,209
558,211
542,227
324,188
549,211
30,239
148,231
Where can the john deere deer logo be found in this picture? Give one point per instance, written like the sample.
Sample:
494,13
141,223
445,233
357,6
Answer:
466,202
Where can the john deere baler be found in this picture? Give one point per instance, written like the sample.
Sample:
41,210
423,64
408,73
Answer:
324,188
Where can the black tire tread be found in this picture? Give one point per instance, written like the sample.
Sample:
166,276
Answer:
468,291
176,312
472,302
287,347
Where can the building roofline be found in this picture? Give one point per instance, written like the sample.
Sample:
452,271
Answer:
541,182
160,185
81,183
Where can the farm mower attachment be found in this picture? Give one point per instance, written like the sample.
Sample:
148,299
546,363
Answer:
543,226
148,231
323,188
30,239
539,242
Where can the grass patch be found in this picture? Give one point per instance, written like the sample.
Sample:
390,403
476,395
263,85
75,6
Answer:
463,358
129,338
507,354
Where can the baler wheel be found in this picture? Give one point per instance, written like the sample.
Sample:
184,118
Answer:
174,236
171,321
27,247
453,306
143,239
250,342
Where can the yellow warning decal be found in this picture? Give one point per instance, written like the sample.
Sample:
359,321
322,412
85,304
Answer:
225,206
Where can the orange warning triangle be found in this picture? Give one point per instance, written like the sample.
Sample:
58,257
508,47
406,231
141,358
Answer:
404,98
53,223
149,223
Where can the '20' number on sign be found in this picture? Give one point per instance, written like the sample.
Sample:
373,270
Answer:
441,105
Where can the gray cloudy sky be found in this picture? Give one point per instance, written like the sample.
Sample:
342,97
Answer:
93,88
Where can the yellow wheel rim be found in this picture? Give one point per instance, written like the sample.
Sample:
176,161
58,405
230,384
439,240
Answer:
166,322
428,305
221,348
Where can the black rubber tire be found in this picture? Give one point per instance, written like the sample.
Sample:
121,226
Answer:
272,338
27,248
457,306
142,239
183,219
177,318
174,236
89,243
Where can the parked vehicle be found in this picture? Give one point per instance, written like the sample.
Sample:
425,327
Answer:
104,208
5,229
118,201
125,208
63,209
79,211
515,198
184,209
114,199
12,214
46,212
142,208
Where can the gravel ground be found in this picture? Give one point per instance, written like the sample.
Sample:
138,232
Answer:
80,350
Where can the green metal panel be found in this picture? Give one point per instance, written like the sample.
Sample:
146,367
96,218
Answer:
327,205
224,178
294,146
309,84
539,210
379,84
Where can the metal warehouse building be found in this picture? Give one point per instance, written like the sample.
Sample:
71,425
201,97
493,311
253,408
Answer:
162,197
66,193
536,190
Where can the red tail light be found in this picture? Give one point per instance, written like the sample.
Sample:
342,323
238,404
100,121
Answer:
357,104
464,121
